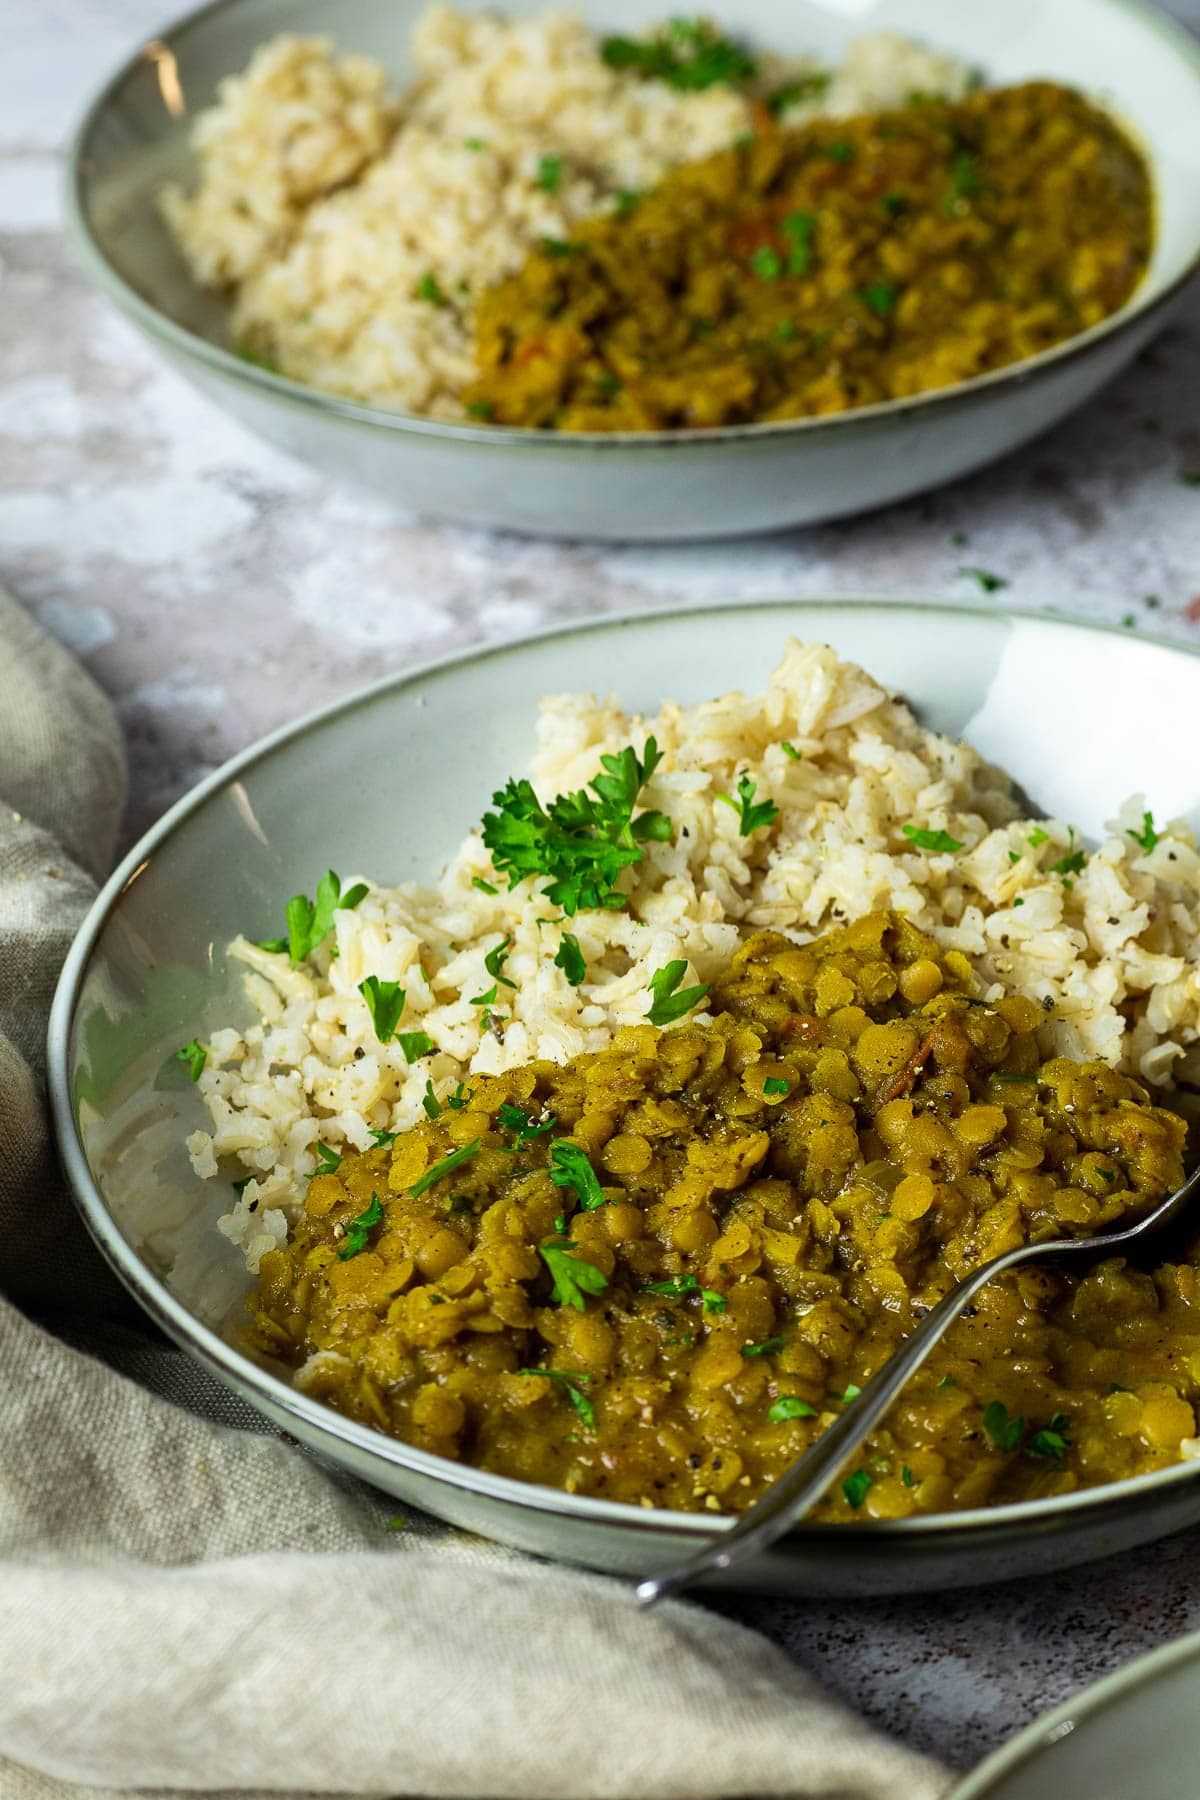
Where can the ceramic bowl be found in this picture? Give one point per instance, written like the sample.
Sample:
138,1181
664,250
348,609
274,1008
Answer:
350,788
1133,1736
653,485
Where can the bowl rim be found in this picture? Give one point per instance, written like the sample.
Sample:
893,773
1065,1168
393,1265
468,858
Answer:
1060,1721
240,1372
1147,300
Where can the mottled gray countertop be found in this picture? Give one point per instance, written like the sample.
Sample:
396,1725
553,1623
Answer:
217,589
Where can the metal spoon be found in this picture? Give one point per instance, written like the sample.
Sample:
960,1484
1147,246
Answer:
789,1497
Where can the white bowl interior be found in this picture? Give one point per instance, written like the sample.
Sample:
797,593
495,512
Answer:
1131,59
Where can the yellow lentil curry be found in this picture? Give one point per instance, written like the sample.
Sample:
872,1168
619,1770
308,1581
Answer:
654,1274
808,271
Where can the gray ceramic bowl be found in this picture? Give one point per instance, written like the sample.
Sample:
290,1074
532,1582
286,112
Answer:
350,788
656,485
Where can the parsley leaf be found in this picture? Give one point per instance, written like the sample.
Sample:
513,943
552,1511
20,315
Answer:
768,1347
328,1160
195,1056
751,814
799,228
1005,1430
358,1229
580,842
879,297
385,1003
790,1406
570,1168
775,1084
805,87
1147,837
906,1476
674,1287
667,1005
485,999
688,55
429,289
570,959
991,584
309,922
520,1124
569,1379
549,175
931,840
494,963
239,1187
1052,1441
385,1137
460,1098
573,1277
431,1103
1038,837
713,1302
855,1487
791,750
485,887
415,1045
766,264
445,1167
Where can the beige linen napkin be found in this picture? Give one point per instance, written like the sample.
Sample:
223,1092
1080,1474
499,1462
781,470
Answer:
191,1605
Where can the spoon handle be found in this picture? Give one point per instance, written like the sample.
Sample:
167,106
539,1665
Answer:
800,1487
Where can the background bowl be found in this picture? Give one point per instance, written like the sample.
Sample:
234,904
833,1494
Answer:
351,789
652,485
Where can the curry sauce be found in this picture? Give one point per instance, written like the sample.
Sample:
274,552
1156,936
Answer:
807,271
654,1273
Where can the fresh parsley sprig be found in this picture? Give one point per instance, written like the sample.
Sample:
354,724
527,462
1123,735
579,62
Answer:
359,1229
667,1005
309,922
570,1168
752,814
385,1003
521,1125
194,1056
569,1380
579,843
573,1277
446,1166
688,54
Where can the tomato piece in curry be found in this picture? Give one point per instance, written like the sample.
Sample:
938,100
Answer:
653,1274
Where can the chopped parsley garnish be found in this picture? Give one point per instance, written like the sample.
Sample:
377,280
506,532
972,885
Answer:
627,199
991,584
521,1125
570,959
689,54
1038,837
480,409
486,999
389,1137
768,1347
494,963
751,813
799,228
579,843
840,151
570,1168
775,1084
894,204
485,887
1072,863
555,247
1012,1075
445,1167
569,1379
358,1229
239,1187
431,1103
1051,1441
475,143
1004,1428
385,1003
674,1287
667,1005
247,354
931,840
549,175
573,1277
964,180
879,297
850,1393
399,1523
713,1302
855,1487
766,263
805,87
194,1055
790,1406
906,1476
791,750
459,1098
309,922
1147,837
415,1045
429,289
948,1381
328,1160
785,331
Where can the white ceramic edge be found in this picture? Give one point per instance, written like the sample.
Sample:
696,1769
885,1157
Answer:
1147,300
241,1374
1051,1726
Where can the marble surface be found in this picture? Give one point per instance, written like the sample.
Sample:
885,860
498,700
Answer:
217,590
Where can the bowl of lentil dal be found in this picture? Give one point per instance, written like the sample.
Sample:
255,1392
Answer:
616,278
509,1184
